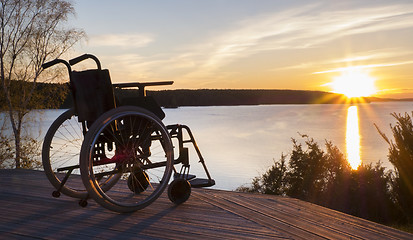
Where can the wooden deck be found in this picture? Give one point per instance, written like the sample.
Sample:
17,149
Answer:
28,211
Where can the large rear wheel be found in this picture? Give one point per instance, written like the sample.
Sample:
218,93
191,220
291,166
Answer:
132,143
60,155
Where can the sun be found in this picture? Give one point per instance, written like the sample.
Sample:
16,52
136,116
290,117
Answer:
354,83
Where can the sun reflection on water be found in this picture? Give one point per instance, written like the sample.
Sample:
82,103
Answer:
353,138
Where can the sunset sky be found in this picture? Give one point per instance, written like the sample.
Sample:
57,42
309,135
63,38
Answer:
246,44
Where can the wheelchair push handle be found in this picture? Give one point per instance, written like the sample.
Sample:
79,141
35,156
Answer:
84,57
56,61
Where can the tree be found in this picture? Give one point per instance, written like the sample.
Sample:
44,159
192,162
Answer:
401,156
306,177
32,31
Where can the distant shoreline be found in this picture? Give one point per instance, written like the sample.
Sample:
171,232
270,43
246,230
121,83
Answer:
233,97
207,97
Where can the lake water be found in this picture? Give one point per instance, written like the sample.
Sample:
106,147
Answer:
241,142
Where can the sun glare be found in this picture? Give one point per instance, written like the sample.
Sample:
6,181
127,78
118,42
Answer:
353,138
354,83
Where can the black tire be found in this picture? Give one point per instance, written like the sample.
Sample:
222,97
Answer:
123,140
61,148
179,191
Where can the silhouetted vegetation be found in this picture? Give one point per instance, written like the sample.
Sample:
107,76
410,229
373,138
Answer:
324,177
221,97
215,97
201,97
59,96
401,156
6,149
44,96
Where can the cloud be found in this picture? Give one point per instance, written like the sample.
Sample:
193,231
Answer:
304,27
298,28
134,67
395,92
120,40
369,66
385,56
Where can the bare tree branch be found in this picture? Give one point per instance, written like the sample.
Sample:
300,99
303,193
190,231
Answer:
31,32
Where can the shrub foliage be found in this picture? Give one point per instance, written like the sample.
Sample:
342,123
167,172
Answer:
324,177
401,156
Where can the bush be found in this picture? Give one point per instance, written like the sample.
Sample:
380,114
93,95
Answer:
326,178
6,152
401,156
30,148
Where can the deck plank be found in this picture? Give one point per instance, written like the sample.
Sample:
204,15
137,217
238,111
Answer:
30,212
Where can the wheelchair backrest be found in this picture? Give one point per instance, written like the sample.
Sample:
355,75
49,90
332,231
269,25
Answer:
93,93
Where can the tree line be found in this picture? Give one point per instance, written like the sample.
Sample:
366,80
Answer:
55,95
217,97
45,95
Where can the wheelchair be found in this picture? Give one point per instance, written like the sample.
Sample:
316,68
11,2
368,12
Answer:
119,146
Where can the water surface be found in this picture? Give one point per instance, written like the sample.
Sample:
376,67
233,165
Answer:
241,142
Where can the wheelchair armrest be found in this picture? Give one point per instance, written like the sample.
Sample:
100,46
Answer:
141,86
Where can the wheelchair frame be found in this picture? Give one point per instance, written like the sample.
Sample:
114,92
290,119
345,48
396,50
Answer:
114,145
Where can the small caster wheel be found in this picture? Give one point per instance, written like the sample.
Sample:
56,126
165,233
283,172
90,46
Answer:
56,194
179,191
138,181
83,203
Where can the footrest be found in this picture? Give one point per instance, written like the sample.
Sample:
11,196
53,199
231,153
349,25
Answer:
202,182
187,177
